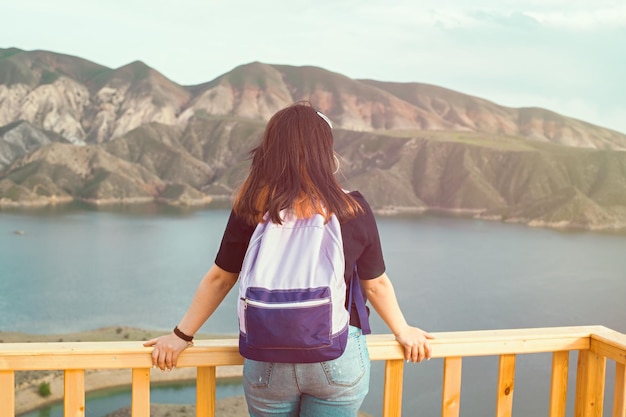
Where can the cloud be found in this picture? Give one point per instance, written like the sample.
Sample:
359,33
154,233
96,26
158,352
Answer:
585,20
562,14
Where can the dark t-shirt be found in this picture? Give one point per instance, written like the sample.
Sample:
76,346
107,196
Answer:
361,245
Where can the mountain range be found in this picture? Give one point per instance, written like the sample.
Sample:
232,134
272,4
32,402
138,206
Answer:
71,129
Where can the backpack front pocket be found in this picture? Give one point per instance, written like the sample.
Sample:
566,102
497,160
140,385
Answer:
294,319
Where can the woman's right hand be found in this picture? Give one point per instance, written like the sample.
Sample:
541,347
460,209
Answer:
415,343
166,350
381,295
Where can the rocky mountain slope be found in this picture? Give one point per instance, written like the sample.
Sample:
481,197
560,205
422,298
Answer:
74,130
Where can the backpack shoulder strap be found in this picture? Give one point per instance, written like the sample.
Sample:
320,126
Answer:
356,294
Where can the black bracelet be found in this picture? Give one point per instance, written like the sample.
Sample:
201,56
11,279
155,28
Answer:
182,335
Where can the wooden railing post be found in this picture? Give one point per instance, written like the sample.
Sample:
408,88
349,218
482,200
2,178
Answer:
74,385
589,384
451,393
7,394
392,391
205,391
558,386
619,396
140,403
506,385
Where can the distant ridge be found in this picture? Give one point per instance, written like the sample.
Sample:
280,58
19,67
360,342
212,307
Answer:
71,129
257,90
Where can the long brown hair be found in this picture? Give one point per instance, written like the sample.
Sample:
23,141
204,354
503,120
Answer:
294,168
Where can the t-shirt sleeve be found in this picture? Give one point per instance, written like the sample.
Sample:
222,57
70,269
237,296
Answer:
370,262
234,244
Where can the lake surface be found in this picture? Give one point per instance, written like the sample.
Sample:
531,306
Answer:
81,269
104,402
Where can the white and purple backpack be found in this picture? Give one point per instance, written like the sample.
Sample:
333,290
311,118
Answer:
292,291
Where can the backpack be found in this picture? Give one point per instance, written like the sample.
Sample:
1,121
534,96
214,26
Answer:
292,291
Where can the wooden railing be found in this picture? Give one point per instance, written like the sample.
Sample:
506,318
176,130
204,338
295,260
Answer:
594,344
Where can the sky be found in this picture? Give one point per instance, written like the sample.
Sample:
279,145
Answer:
568,56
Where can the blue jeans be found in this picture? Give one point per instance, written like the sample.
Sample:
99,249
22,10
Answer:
327,389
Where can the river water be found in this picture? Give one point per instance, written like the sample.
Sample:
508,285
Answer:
72,269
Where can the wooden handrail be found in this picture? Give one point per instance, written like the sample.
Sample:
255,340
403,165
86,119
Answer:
595,345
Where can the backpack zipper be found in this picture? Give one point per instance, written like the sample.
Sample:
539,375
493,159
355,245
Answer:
303,304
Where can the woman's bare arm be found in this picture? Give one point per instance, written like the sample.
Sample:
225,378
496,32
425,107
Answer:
382,297
210,293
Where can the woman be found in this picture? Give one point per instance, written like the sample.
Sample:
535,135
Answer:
294,167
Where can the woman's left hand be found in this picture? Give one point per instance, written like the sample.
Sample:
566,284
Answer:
166,350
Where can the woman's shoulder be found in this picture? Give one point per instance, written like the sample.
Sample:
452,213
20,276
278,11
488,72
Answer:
362,228
366,215
360,199
238,224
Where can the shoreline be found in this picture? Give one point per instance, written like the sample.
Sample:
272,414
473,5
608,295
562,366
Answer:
223,201
27,398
